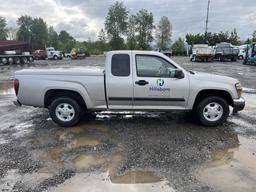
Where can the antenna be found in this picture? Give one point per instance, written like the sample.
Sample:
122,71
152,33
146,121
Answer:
207,18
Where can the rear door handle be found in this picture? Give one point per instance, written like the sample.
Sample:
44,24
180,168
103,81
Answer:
141,82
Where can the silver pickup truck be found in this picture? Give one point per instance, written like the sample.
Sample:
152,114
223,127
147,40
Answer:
130,81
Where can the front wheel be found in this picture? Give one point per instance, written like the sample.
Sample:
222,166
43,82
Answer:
213,111
65,111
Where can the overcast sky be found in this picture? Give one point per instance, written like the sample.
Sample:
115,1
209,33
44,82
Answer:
84,18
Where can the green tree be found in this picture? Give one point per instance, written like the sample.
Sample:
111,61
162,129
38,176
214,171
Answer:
102,40
254,36
116,25
131,33
144,28
164,33
178,47
24,31
234,38
67,42
3,29
192,39
53,38
39,34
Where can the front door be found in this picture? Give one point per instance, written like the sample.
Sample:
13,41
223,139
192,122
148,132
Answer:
154,86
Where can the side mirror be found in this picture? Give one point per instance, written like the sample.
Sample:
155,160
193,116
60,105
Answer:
178,73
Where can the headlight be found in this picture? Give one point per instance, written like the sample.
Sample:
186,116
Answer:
239,89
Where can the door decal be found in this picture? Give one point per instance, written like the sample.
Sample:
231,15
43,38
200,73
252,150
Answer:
159,86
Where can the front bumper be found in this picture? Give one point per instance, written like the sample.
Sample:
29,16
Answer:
238,104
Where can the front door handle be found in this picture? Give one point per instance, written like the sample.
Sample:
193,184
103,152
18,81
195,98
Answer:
141,82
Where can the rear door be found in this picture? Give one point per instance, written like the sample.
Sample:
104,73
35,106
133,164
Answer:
154,86
119,84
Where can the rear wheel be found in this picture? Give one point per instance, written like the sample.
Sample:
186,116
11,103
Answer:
55,57
241,57
24,60
4,61
65,111
10,60
31,59
213,111
17,60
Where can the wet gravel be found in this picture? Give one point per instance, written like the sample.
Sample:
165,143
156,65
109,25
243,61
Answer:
171,145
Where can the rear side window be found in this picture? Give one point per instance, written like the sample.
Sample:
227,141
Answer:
120,65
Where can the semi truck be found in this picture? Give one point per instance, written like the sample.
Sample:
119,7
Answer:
15,52
130,81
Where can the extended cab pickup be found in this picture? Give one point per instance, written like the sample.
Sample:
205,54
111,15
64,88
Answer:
131,80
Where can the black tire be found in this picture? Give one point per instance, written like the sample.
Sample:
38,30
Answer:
241,57
10,61
55,57
4,61
17,60
31,59
24,60
61,100
212,99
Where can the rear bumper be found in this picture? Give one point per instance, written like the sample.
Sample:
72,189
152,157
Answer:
239,104
17,103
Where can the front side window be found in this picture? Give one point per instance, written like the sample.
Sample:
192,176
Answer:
120,65
153,66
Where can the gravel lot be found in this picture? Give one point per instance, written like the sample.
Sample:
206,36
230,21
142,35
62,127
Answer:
127,151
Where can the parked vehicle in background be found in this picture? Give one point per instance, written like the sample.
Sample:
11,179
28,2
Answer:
242,54
202,52
131,80
168,53
40,54
79,53
15,52
226,51
53,54
67,55
250,58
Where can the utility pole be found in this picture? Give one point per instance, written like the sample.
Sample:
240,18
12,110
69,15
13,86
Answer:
207,18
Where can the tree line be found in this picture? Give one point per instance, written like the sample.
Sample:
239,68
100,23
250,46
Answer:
122,30
214,38
36,32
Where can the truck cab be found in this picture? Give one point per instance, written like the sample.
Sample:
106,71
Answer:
53,54
145,80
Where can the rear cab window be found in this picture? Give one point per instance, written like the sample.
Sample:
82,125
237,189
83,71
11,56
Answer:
120,65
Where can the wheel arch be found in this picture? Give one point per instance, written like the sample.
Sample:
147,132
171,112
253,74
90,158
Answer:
213,92
52,94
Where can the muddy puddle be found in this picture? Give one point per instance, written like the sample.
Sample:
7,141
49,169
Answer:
96,171
232,169
245,120
6,88
100,182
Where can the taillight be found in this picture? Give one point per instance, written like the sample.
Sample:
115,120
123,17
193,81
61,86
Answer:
16,86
